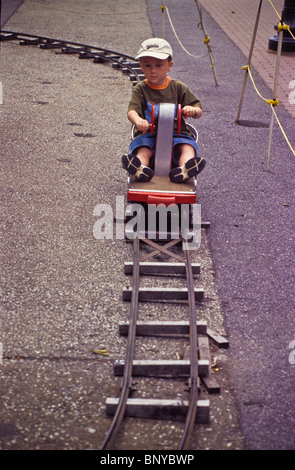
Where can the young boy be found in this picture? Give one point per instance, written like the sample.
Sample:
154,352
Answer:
156,60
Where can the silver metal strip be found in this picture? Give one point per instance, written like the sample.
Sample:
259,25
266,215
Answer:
164,139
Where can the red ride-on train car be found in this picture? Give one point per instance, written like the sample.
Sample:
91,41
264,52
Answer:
160,190
163,203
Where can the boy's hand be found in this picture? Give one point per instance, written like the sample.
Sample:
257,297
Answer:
142,125
191,112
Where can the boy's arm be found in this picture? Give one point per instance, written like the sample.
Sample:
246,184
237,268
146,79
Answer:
141,124
191,112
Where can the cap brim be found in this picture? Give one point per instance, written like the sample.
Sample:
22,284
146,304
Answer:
156,55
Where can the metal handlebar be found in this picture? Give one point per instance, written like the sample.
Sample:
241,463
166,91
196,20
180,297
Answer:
192,129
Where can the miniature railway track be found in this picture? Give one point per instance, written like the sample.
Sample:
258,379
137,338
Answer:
127,378
195,409
127,375
126,63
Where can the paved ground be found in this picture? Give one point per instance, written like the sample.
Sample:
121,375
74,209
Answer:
57,287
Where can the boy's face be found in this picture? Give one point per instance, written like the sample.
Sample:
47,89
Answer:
155,70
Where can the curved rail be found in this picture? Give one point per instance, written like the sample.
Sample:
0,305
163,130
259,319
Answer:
85,51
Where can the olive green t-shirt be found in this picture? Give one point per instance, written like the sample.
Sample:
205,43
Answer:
144,96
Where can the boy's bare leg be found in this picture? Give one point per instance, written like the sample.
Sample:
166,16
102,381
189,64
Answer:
186,153
144,154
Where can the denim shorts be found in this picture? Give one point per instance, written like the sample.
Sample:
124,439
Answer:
148,140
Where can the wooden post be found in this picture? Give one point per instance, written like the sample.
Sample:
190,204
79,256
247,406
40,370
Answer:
249,62
274,94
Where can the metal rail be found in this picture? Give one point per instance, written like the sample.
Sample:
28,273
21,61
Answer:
193,398
127,377
85,51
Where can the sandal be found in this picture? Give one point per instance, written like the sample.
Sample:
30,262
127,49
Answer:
191,168
133,165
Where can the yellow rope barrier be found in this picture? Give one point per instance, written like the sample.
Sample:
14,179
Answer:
283,132
280,25
275,9
273,103
164,8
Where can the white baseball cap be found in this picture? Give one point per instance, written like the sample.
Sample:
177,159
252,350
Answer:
155,47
